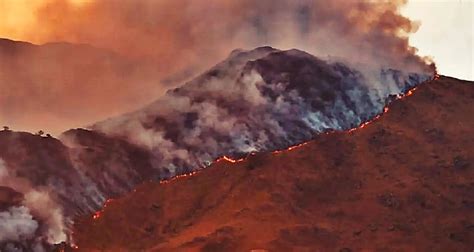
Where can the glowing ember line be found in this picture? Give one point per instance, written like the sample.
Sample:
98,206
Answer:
179,177
224,158
230,160
410,92
98,214
294,147
386,109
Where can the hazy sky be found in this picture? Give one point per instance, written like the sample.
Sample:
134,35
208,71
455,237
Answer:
173,39
446,33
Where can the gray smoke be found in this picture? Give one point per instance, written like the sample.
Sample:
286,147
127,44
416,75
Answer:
159,43
258,100
17,224
36,221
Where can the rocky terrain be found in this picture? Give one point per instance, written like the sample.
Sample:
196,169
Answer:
403,182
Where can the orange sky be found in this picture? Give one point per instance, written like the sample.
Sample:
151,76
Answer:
161,40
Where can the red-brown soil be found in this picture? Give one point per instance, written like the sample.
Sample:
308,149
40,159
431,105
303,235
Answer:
404,182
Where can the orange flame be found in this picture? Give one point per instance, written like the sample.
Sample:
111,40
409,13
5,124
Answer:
98,214
294,147
223,158
179,177
230,160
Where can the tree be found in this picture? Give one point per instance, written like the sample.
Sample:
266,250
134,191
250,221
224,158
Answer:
40,133
6,128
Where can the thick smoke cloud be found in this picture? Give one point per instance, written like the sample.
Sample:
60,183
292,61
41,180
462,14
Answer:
17,224
176,39
258,100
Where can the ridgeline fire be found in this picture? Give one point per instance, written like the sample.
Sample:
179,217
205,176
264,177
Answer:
276,152
237,125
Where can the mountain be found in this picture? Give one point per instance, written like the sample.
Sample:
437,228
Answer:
403,182
40,83
254,101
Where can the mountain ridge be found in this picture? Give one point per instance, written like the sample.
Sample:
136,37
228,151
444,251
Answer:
254,101
402,182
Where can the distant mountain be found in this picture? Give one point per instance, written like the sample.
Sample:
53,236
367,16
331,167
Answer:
40,84
404,182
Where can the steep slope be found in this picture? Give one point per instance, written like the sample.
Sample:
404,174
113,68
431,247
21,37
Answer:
404,182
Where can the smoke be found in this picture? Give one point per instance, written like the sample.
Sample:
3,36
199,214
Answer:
126,53
17,224
170,41
258,100
3,170
37,221
47,210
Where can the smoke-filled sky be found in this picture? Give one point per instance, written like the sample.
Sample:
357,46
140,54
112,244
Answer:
446,33
132,51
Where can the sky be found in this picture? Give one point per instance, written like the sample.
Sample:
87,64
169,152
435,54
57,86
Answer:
446,31
142,48
446,34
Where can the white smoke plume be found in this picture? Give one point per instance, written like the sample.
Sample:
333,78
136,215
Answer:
48,211
17,224
38,220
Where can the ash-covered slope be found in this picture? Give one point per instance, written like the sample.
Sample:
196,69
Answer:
401,183
258,100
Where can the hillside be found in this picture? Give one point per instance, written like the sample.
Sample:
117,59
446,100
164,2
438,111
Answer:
258,100
404,182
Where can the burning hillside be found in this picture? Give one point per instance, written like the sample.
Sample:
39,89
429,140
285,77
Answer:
254,101
400,183
353,59
258,100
